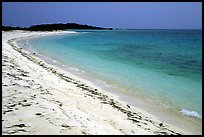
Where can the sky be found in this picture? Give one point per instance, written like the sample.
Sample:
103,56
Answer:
131,15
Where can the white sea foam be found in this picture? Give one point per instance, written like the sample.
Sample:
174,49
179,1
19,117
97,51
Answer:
103,83
190,113
72,31
76,69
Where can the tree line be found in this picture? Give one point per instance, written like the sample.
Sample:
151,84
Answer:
52,27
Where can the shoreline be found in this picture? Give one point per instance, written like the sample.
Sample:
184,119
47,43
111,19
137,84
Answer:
148,124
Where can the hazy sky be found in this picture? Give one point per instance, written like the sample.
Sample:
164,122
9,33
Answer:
137,15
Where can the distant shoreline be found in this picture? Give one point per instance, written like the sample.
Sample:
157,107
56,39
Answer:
54,27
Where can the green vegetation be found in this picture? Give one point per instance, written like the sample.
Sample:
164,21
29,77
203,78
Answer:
51,27
9,28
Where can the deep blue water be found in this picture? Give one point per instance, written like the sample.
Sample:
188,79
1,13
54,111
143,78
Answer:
163,65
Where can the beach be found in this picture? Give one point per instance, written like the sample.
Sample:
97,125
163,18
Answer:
39,98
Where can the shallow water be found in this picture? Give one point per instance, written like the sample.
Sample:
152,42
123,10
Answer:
163,65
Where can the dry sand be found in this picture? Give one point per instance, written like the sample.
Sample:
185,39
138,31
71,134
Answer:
39,98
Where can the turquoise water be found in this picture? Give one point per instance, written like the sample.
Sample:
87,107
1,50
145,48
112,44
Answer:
163,65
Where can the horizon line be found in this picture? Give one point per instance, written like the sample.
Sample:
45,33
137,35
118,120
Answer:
116,28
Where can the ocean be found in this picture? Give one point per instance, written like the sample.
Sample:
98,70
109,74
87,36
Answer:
164,66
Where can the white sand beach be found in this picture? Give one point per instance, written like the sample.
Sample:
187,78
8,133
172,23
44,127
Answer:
39,98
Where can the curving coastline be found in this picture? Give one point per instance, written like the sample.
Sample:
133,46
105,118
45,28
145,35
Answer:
36,93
